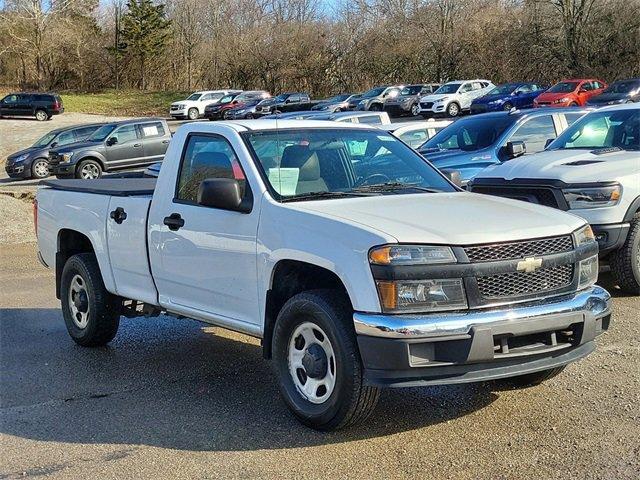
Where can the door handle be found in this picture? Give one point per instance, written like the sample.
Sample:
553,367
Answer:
165,141
137,144
174,221
118,215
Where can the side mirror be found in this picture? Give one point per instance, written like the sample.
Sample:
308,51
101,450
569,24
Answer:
288,100
112,141
53,145
453,176
222,193
548,142
516,149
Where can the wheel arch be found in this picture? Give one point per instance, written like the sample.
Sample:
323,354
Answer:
69,242
633,209
92,156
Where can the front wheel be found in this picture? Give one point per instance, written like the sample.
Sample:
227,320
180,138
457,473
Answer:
376,107
528,380
40,168
193,114
507,107
453,110
89,170
317,362
625,263
415,110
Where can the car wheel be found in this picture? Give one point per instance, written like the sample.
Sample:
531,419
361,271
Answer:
250,116
91,314
453,109
415,110
317,362
89,170
41,116
507,107
40,168
528,380
376,107
625,263
574,104
193,114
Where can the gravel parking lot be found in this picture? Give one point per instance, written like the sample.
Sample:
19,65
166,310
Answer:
175,398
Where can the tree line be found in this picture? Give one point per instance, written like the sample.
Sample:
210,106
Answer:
313,45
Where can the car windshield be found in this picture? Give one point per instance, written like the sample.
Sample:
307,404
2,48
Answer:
194,96
448,88
309,164
374,92
411,90
470,134
45,140
338,98
563,87
505,89
627,86
227,99
102,133
618,129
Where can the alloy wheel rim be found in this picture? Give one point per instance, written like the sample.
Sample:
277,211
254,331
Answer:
312,363
193,114
89,172
453,110
414,110
79,302
41,169
41,115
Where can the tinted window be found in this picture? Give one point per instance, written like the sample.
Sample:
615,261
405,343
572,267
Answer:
126,133
374,92
206,157
294,99
505,89
535,133
413,90
82,133
194,96
66,138
10,99
150,130
625,86
470,134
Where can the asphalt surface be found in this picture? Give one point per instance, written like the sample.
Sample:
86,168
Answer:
172,398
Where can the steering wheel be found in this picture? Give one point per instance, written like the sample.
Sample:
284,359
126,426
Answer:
368,179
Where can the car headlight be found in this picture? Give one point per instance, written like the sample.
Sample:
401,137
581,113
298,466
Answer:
21,158
562,100
592,197
422,295
411,255
583,236
588,272
440,100
66,157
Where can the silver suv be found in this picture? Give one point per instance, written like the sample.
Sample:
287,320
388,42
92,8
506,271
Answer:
452,98
374,99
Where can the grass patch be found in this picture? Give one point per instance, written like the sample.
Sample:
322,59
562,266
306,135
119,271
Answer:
128,103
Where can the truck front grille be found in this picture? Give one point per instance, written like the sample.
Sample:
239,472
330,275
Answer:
519,284
426,105
509,251
538,195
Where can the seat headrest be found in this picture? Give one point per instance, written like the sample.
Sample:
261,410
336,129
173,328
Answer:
303,158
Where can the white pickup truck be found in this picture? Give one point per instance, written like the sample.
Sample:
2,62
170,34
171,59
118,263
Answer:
356,262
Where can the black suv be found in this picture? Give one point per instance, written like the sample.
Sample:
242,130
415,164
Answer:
33,162
40,105
285,102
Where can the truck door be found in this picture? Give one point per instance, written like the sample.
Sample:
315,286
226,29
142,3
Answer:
204,259
155,141
123,147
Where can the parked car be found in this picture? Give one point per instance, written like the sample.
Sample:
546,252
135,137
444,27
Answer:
193,106
570,93
216,111
42,106
622,91
352,103
357,263
114,146
374,99
285,102
591,170
415,134
338,103
453,98
507,96
472,144
244,111
406,102
369,118
33,162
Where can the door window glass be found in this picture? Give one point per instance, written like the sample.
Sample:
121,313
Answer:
126,133
11,99
150,130
535,133
66,138
467,87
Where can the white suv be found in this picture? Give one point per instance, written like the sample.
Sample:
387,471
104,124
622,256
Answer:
454,97
193,106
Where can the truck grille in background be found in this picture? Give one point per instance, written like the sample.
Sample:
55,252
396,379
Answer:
541,196
54,158
426,104
517,284
509,251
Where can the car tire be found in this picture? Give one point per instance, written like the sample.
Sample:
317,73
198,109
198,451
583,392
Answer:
315,330
507,107
453,109
376,107
91,314
574,104
193,114
89,170
415,110
42,115
250,116
40,168
625,262
528,380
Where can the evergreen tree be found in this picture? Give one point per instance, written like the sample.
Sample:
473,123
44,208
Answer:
145,31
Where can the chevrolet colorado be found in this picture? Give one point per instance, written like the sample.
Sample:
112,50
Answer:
357,263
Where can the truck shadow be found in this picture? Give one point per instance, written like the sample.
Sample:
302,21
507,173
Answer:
173,383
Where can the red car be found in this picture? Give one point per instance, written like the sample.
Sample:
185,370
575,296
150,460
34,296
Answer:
570,93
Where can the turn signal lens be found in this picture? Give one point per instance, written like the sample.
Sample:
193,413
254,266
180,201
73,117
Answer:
411,255
422,295
584,235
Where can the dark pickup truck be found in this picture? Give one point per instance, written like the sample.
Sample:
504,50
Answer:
285,102
114,146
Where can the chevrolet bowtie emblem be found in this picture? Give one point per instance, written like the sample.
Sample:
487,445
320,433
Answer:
529,265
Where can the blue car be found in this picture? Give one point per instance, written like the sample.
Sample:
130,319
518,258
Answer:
474,143
507,96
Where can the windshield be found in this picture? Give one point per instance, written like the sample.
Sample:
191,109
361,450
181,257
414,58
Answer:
623,87
194,96
470,134
448,88
506,89
610,129
411,90
563,87
308,163
45,140
338,98
374,92
227,99
102,133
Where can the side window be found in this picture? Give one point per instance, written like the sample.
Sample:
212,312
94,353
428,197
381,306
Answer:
26,98
370,119
82,133
535,133
586,86
476,86
206,96
294,98
572,117
526,89
414,138
467,87
150,130
206,157
65,138
11,99
125,133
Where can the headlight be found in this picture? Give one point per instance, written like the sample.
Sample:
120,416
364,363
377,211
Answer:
411,255
66,157
583,236
562,100
441,100
422,295
592,197
588,270
21,158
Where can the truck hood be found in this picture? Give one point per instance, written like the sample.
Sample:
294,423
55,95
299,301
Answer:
458,218
569,166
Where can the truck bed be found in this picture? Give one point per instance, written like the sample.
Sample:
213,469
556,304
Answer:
114,187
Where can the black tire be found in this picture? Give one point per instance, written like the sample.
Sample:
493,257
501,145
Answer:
453,109
507,106
42,115
86,166
350,402
102,308
528,380
376,107
38,170
193,114
625,263
574,104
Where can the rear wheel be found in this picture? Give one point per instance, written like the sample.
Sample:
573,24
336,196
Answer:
317,362
625,263
89,170
40,168
193,114
453,109
528,380
41,115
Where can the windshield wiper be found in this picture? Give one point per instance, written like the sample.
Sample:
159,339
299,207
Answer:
393,187
321,195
